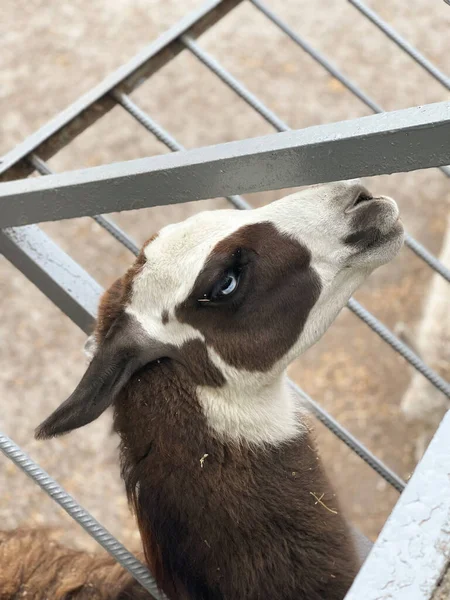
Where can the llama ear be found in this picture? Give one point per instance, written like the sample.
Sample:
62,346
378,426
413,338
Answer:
125,349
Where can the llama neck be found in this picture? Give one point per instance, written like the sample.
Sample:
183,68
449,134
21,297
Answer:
251,413
226,520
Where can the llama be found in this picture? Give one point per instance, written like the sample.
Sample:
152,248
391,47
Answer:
422,403
33,566
191,349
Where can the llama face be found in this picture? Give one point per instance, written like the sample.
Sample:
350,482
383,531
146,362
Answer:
259,287
234,297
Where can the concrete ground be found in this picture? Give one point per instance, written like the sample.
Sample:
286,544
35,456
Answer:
443,590
50,53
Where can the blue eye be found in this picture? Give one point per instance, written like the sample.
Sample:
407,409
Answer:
228,285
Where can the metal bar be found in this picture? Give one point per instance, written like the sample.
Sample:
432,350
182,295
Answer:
413,244
163,136
233,83
79,514
401,42
325,418
62,280
404,140
105,222
86,110
349,440
385,334
317,56
426,256
412,551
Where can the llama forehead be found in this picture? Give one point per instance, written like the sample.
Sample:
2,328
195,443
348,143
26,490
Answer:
176,257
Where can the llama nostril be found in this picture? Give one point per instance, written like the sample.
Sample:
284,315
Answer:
362,197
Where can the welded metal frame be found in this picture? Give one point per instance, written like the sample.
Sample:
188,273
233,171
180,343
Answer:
80,115
412,551
384,143
397,141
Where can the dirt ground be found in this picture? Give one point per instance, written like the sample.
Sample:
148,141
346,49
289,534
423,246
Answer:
50,53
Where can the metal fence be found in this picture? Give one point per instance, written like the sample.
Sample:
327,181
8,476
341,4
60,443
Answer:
399,141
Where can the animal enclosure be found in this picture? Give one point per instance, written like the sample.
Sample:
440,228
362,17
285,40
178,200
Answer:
401,141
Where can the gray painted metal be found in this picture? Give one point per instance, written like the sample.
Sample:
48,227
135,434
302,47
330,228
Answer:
213,65
81,516
401,42
61,279
365,99
90,107
427,256
353,443
387,335
403,140
162,135
317,56
413,549
105,222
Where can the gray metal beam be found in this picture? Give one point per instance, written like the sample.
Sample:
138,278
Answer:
403,140
86,110
413,549
61,279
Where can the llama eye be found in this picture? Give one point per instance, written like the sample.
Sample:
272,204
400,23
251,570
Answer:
229,285
226,286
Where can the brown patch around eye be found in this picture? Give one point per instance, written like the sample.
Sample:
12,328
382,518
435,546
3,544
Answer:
280,289
165,317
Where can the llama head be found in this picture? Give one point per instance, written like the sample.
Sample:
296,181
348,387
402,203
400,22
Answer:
235,296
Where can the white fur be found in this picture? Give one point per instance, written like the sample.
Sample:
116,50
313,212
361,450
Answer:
254,413
257,407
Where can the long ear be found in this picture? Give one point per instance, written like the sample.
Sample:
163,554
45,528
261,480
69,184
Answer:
125,349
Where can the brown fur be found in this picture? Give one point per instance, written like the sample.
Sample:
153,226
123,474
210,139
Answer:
118,295
34,566
237,523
